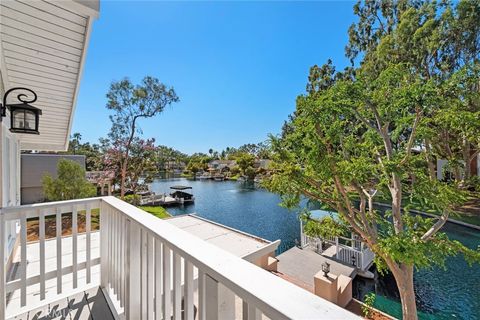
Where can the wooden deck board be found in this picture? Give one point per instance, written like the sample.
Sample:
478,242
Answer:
85,305
302,265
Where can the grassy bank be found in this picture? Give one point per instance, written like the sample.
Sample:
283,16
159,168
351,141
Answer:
157,211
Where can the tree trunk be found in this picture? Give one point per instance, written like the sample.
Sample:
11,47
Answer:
122,180
466,159
404,279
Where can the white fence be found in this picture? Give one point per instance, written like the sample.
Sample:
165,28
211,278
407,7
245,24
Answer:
349,251
151,269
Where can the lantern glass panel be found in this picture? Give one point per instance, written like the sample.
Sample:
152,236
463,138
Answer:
18,119
29,120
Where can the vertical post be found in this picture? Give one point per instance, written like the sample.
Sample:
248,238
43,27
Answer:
219,300
167,290
253,313
134,272
202,315
104,225
177,287
302,236
336,248
150,277
158,279
23,259
143,273
3,283
188,305
88,222
41,243
58,227
74,246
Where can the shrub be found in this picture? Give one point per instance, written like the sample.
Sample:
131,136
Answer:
133,199
69,184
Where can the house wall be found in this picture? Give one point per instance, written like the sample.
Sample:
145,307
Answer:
34,167
9,173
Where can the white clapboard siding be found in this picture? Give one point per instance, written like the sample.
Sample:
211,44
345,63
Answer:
32,20
59,12
43,15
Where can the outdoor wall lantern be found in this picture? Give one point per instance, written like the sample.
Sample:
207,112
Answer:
326,268
24,117
354,260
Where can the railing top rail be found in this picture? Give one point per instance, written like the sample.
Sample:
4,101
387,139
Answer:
275,297
45,205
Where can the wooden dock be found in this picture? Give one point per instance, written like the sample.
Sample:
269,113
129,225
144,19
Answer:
158,200
302,265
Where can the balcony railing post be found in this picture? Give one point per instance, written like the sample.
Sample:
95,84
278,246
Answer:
104,225
134,273
219,300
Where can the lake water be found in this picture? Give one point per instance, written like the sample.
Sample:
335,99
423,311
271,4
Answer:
450,294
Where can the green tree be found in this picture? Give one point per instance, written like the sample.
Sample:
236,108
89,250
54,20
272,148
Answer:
194,166
74,142
354,141
245,162
131,103
69,184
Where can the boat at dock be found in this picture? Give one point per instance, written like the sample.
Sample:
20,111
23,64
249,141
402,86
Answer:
179,195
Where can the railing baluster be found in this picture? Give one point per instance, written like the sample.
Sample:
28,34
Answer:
177,287
23,260
88,221
41,243
150,273
111,227
219,300
58,227
122,261
114,253
167,304
202,315
143,273
188,303
117,260
104,226
253,313
74,246
3,279
158,279
134,272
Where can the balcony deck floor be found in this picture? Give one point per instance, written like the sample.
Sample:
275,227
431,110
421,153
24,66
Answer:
33,267
90,304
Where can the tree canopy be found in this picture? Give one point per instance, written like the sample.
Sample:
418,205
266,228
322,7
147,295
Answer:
373,131
69,184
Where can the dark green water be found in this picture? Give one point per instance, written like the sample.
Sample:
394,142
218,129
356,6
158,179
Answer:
450,294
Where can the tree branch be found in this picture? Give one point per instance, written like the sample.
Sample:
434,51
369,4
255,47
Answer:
412,137
437,226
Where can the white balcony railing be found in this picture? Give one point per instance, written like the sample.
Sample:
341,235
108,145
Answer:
148,268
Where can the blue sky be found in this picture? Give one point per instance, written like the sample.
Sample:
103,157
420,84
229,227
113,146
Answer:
236,66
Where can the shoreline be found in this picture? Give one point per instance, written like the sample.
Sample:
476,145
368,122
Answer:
431,215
